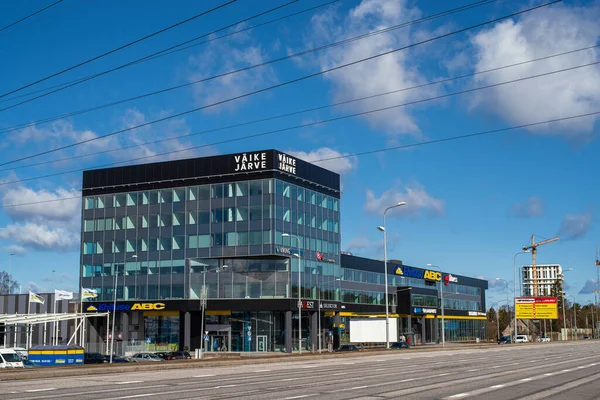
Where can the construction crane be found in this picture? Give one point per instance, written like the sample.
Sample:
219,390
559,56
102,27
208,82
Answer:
533,249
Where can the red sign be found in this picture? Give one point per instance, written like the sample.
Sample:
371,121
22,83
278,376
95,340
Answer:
319,256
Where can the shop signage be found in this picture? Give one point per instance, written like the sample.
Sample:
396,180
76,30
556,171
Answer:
450,278
418,273
287,163
308,304
421,310
127,307
321,258
329,305
476,314
287,251
250,162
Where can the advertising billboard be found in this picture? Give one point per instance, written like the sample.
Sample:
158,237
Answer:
537,307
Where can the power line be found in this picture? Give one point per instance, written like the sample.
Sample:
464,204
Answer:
250,67
280,84
177,48
119,48
309,124
406,146
319,108
29,16
65,85
511,128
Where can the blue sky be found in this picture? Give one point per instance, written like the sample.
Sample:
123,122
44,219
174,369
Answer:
472,203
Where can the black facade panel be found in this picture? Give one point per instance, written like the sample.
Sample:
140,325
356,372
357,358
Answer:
258,165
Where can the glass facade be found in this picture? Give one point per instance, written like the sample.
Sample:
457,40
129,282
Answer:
206,225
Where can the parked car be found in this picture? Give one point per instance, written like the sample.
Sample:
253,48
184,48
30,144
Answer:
144,357
521,339
93,358
504,340
348,347
400,345
10,359
115,359
543,339
182,355
586,338
165,355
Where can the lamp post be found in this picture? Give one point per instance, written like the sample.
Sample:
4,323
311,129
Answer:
112,335
515,287
299,291
441,301
385,274
319,325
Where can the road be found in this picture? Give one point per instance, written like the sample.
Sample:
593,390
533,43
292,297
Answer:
519,371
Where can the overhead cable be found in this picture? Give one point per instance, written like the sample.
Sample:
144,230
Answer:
289,114
232,72
322,72
385,149
118,48
305,125
29,16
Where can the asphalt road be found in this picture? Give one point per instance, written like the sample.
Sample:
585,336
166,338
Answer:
521,371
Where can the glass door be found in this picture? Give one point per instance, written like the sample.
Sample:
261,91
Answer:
261,343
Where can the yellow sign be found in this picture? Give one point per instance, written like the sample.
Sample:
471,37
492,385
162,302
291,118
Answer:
433,275
537,308
92,308
399,271
148,306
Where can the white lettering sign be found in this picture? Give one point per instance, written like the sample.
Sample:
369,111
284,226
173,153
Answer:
250,162
287,164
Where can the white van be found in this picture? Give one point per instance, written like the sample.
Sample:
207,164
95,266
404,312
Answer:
521,339
10,359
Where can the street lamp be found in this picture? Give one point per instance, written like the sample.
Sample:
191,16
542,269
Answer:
319,292
385,274
299,291
441,301
515,286
112,335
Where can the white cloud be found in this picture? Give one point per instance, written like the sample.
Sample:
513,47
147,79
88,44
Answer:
549,31
14,249
383,74
47,207
175,130
219,57
340,165
418,202
41,236
575,226
532,207
48,224
62,132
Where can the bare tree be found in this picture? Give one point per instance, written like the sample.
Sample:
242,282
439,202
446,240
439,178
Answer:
7,284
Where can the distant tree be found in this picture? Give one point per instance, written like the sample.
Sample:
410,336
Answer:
7,284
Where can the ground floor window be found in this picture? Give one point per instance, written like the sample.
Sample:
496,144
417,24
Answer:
162,332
